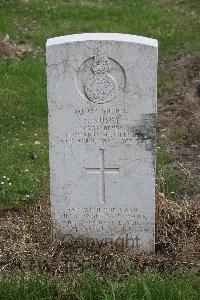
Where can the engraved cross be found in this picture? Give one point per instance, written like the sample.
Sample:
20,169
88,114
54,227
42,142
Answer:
102,171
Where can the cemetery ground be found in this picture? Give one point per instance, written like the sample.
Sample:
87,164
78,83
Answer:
34,267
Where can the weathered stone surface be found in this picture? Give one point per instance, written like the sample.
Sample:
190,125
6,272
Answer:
102,105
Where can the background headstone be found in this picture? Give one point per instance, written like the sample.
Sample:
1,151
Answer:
102,106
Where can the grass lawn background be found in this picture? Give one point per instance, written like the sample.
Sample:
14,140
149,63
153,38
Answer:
24,134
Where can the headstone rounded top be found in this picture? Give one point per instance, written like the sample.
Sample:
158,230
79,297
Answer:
102,37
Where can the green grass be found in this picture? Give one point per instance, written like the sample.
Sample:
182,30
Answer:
175,26
171,179
24,130
23,103
92,287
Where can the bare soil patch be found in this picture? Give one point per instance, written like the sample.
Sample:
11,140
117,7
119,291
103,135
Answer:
26,244
178,118
10,50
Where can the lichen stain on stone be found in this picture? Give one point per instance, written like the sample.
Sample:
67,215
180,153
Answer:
144,131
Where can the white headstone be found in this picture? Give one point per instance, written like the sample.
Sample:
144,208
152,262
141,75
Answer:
102,107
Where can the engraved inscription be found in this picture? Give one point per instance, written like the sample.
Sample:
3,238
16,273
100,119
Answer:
109,126
99,218
101,87
102,170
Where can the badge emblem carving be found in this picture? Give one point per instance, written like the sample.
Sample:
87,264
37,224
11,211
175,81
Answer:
100,79
100,87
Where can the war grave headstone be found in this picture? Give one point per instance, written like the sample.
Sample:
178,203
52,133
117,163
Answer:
102,94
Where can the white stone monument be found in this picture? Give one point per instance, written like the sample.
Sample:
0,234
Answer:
102,108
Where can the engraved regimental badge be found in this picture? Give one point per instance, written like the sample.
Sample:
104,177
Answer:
100,87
